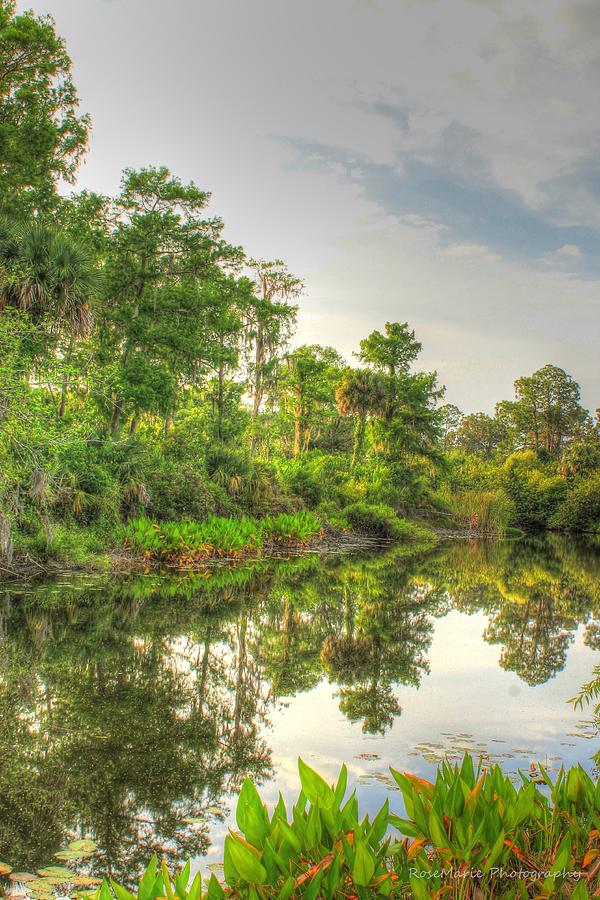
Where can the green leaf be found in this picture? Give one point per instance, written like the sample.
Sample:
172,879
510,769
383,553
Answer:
214,891
146,885
287,890
314,787
245,860
181,881
195,891
121,893
85,845
364,866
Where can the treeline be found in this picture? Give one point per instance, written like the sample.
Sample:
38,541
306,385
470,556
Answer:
147,366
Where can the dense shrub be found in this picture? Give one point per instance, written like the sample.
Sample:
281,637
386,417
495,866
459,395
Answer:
581,509
381,521
535,492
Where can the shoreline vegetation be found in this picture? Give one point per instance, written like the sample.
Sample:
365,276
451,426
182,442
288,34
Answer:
471,833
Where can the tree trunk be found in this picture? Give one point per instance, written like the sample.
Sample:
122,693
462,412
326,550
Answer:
65,382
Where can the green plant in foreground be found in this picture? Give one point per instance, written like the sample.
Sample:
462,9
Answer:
471,834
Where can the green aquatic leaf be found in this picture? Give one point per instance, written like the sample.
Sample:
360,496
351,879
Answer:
51,871
5,869
86,845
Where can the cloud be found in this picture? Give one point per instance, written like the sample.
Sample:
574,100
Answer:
477,251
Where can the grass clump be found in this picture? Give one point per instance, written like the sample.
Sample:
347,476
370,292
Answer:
506,841
187,542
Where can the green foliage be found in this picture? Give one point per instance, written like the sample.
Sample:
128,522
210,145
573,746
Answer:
503,838
381,521
535,493
42,136
581,508
488,512
187,542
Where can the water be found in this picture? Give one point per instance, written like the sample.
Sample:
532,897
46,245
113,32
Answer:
130,705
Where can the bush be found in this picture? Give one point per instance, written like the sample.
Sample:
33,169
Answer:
381,521
536,492
581,510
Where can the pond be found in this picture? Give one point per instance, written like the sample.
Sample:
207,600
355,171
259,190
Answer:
131,709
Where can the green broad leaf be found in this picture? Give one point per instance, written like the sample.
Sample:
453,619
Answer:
104,892
214,891
312,891
146,885
166,879
405,827
195,891
342,782
287,890
246,861
51,871
581,892
495,852
419,890
181,881
121,893
314,787
289,835
380,824
5,869
86,845
364,866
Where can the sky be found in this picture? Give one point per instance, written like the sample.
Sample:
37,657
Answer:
429,161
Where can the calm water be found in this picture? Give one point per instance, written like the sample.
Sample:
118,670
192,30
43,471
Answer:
128,706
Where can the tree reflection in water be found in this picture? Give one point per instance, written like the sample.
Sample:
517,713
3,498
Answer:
127,706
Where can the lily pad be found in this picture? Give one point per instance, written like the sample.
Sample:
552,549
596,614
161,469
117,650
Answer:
22,877
193,820
85,881
71,854
5,869
55,871
86,845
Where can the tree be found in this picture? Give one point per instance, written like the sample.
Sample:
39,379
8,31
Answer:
546,413
164,269
307,382
480,434
361,393
42,136
270,319
392,352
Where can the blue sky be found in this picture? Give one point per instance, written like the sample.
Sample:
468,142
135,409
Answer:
434,161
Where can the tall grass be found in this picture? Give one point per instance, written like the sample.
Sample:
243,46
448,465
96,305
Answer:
189,541
489,512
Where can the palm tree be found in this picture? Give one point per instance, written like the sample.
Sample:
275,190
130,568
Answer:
53,278
361,393
49,275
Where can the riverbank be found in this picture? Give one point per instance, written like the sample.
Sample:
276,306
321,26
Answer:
143,544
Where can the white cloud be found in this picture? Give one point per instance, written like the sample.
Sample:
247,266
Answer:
475,251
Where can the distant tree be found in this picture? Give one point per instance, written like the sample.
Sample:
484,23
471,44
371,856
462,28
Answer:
307,383
450,420
392,352
42,136
480,434
546,413
361,393
270,320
